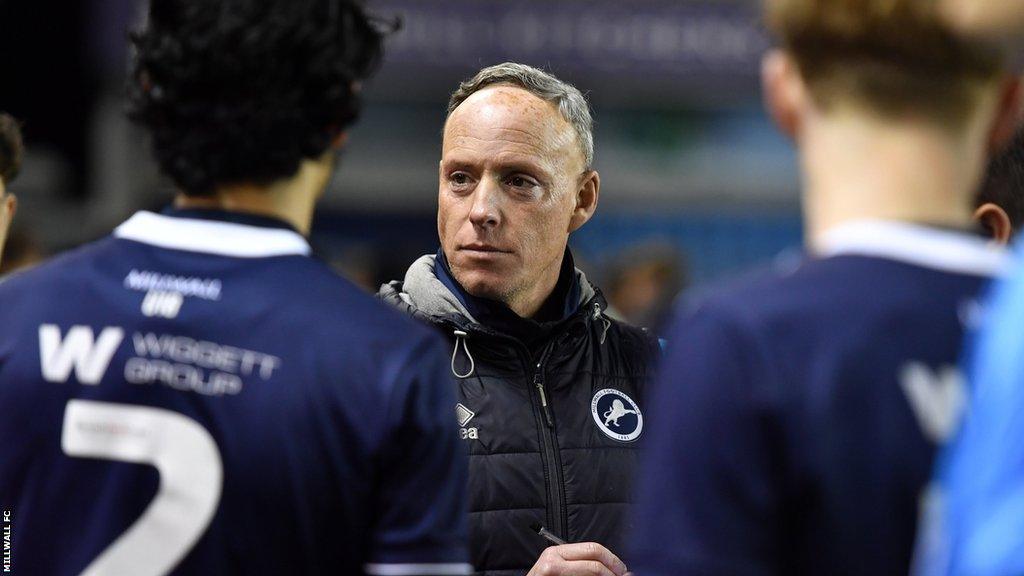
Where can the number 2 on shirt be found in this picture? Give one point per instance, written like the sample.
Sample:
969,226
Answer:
191,477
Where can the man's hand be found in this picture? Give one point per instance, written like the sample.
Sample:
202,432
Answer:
583,559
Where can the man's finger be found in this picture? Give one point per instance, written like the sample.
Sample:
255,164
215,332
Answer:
592,551
587,568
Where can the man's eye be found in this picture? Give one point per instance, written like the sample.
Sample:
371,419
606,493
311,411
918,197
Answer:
521,182
459,180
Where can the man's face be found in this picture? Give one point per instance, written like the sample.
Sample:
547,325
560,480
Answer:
509,176
8,204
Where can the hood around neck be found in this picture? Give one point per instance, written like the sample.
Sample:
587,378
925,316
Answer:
421,293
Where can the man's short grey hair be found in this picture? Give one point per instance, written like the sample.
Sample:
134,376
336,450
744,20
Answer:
569,100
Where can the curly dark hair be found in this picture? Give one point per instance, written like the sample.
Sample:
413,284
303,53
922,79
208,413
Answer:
241,91
1004,181
11,147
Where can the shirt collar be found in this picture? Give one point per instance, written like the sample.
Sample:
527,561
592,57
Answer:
215,232
217,215
926,246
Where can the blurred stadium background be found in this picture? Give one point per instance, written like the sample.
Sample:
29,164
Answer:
696,182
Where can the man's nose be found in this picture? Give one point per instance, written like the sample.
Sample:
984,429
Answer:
486,210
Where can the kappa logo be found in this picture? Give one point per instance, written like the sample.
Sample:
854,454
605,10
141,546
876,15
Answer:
464,415
617,415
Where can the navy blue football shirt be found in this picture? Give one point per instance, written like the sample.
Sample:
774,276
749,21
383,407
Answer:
196,395
798,413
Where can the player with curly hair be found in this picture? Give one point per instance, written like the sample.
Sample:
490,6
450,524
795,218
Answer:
195,394
246,99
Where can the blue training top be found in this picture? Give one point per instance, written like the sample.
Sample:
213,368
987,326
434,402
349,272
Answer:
976,524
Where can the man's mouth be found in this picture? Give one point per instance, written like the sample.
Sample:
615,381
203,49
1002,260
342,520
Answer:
483,248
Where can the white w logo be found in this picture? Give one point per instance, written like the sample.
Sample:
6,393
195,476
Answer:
938,399
90,358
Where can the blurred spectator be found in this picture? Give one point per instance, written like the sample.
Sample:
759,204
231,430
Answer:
10,164
643,281
45,45
1000,203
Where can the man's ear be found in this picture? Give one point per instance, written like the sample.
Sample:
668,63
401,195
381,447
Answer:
10,206
784,91
1008,115
995,221
587,194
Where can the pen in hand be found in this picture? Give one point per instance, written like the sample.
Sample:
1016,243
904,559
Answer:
547,534
564,559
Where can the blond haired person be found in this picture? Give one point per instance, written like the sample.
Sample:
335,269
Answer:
798,413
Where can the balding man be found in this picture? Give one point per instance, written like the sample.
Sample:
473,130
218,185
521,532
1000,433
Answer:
551,391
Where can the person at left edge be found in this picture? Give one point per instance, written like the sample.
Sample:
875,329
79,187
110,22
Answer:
195,394
10,164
